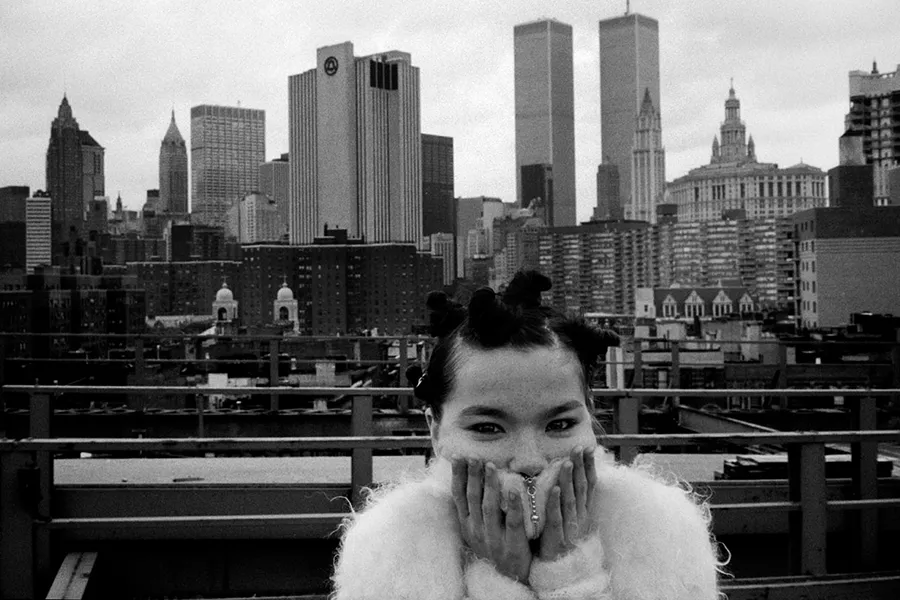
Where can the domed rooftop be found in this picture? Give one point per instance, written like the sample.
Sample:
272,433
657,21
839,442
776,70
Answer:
285,293
224,294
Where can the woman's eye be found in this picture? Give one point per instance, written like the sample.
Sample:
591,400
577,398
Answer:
561,424
486,428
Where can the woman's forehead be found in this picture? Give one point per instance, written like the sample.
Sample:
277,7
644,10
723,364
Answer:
517,379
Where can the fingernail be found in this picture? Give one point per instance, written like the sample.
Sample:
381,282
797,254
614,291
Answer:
489,468
569,466
513,497
579,449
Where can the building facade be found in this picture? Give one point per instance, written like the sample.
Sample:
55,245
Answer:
275,182
438,201
875,112
545,113
848,261
38,228
256,219
173,171
609,206
64,177
629,66
735,181
12,226
227,146
93,170
356,147
648,164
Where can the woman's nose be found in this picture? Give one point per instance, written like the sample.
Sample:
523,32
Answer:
528,458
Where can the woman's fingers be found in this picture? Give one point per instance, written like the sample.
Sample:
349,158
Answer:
579,481
490,506
590,473
569,504
458,487
515,520
474,489
552,538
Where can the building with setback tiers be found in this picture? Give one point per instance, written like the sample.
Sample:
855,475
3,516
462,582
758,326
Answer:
173,171
735,180
227,146
545,117
648,164
356,147
875,112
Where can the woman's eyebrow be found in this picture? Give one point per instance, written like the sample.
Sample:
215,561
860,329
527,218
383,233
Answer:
483,411
563,408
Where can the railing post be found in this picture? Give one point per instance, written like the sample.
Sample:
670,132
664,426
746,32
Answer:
637,377
139,363
40,417
782,375
808,528
675,377
865,484
274,376
201,408
3,340
402,400
626,410
361,461
17,555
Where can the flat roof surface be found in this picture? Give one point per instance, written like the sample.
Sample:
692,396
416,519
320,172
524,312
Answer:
298,469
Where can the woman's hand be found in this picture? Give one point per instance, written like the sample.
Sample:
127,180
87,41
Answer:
478,498
570,506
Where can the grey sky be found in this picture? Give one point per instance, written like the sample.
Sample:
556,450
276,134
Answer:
124,65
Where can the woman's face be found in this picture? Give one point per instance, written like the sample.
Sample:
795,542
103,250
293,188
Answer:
519,409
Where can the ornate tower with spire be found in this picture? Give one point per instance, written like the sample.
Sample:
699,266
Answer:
648,158
733,135
64,181
173,171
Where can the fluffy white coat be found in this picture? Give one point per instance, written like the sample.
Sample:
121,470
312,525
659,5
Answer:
652,542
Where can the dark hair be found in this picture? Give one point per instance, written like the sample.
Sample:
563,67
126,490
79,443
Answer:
513,319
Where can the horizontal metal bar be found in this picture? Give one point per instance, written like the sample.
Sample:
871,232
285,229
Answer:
401,391
861,504
398,442
194,520
756,506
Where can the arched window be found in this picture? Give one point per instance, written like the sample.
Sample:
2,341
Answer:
722,304
670,307
694,305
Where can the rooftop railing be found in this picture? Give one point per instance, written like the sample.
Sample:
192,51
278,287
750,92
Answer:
28,521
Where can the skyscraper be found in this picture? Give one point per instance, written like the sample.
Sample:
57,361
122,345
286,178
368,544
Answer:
227,146
629,66
356,147
545,113
438,203
173,171
875,111
274,182
648,164
38,211
65,176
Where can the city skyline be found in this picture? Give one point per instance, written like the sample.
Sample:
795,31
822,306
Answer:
790,65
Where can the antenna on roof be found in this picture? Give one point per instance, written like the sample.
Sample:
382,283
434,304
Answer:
627,7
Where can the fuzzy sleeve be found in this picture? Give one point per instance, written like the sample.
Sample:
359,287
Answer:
405,545
656,538
578,575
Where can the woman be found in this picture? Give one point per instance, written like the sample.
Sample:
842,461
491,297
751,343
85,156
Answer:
520,502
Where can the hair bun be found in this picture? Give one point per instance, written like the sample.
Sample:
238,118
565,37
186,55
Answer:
444,316
525,289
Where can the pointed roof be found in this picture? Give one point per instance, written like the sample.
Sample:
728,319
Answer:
172,133
647,102
65,111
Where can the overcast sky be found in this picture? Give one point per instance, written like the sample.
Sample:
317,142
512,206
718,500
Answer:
125,65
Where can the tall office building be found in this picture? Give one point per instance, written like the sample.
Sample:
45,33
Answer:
648,164
227,146
12,226
609,206
93,171
356,147
875,112
65,175
38,215
545,114
438,203
629,66
275,182
173,171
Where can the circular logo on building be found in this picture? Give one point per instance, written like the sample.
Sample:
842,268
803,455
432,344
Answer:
331,65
